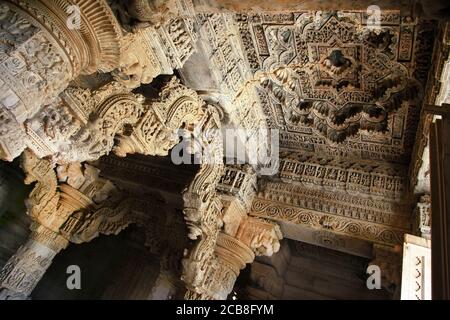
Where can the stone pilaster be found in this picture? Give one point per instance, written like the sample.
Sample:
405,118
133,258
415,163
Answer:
416,269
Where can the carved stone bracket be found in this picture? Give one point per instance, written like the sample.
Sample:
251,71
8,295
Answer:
261,236
231,254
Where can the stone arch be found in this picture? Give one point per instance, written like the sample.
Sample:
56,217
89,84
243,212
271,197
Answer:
83,125
176,107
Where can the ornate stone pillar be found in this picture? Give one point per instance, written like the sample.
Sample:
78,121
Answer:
202,208
27,266
222,253
254,237
231,254
200,262
45,48
55,197
83,125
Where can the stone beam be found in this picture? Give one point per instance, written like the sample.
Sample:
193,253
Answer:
378,180
325,238
349,226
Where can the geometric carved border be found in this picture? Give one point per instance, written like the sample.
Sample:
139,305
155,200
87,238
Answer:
355,177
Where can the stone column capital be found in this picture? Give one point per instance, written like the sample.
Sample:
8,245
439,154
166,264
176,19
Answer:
262,236
233,252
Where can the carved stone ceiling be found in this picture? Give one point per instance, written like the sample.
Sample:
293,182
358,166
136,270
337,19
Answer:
334,86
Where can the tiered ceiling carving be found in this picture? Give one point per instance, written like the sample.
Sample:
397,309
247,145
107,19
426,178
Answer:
333,84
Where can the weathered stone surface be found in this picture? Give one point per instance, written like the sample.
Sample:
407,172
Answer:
346,88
